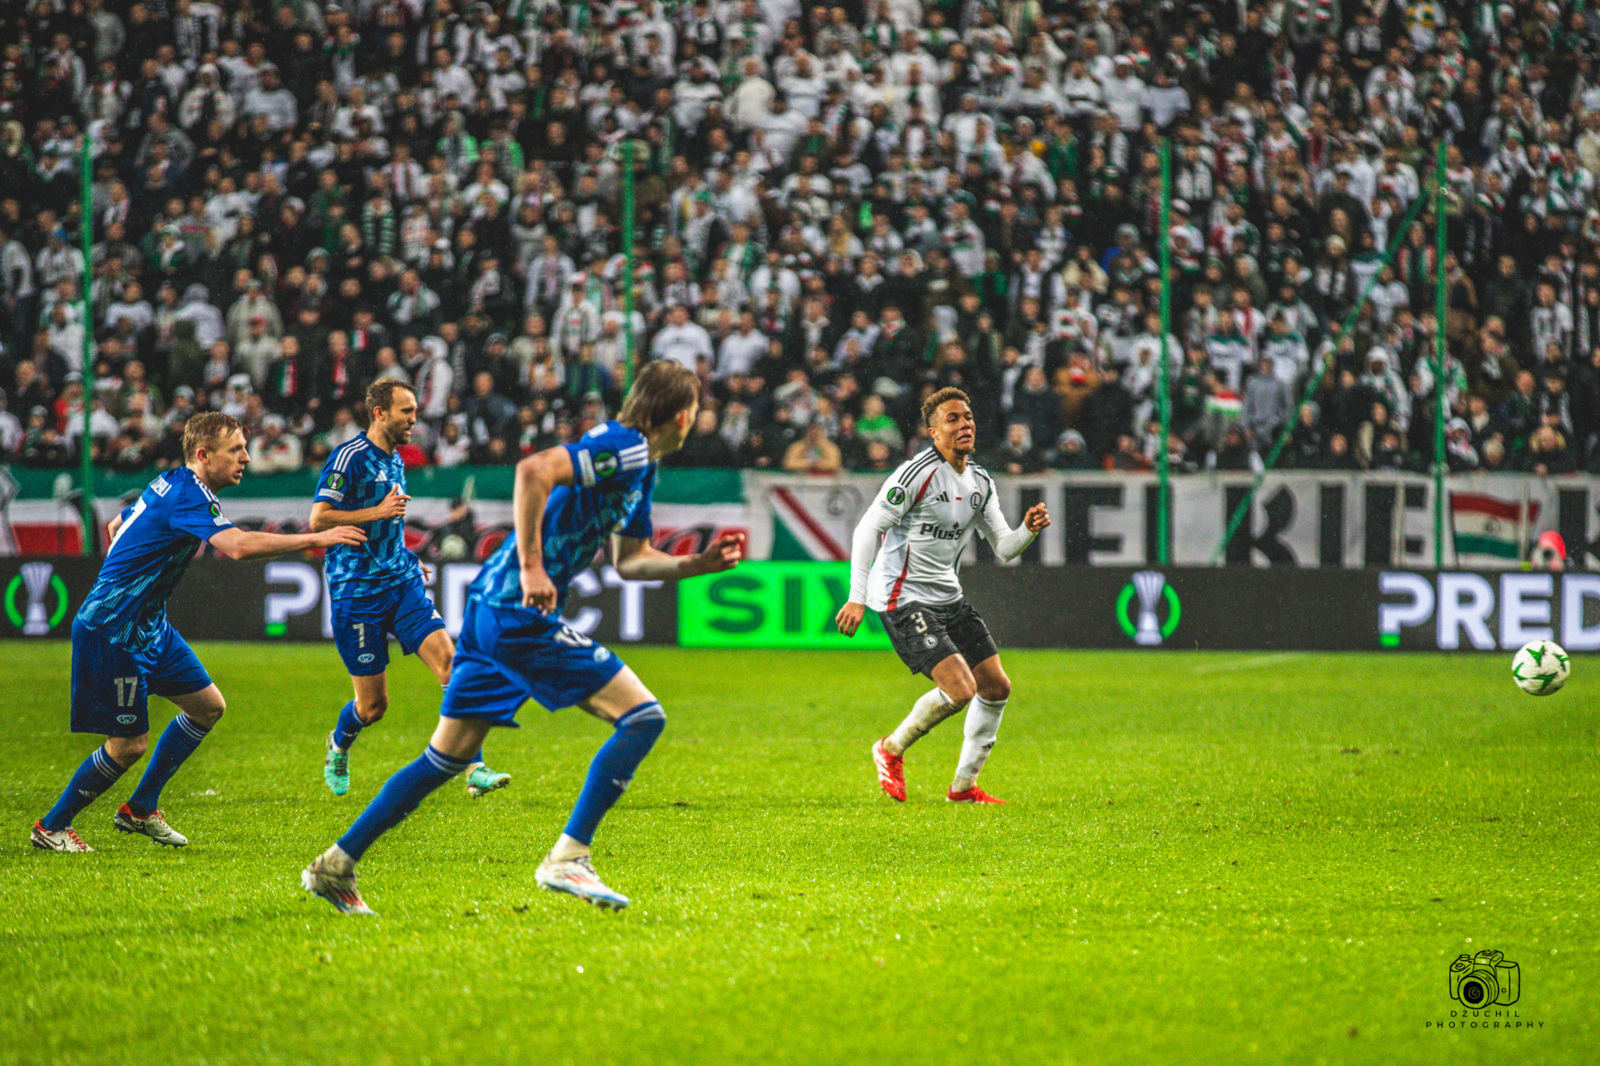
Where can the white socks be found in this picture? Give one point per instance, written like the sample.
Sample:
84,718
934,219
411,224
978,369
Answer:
982,726
567,849
931,709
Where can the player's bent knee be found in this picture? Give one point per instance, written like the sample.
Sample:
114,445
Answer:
372,710
209,713
646,720
995,689
126,750
961,692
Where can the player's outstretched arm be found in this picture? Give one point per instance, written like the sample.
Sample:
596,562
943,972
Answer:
236,543
1009,543
636,560
325,515
864,543
536,476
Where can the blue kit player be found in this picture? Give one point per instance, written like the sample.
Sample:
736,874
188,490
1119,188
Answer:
377,588
123,647
568,500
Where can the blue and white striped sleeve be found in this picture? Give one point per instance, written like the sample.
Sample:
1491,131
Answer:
338,475
606,453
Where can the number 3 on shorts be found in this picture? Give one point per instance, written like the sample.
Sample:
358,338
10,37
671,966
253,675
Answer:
921,622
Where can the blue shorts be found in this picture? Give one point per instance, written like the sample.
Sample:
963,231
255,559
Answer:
359,626
111,685
507,657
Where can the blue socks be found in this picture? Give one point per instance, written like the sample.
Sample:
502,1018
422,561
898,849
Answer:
612,769
349,727
97,773
399,796
609,776
177,743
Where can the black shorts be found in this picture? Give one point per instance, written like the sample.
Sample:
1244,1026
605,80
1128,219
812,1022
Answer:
925,636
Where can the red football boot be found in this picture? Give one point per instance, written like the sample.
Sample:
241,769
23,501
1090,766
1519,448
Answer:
972,795
891,771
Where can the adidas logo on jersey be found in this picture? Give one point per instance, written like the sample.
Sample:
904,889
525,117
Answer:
943,497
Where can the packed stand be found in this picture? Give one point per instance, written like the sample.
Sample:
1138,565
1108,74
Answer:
839,208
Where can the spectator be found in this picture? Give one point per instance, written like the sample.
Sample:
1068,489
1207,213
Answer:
1234,453
1107,413
1016,453
1267,404
489,415
705,446
10,431
681,340
452,449
813,453
274,451
1547,454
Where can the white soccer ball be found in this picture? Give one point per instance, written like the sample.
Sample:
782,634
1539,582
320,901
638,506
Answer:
1540,668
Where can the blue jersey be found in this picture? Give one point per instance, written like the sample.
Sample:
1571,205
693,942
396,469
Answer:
356,476
158,536
612,480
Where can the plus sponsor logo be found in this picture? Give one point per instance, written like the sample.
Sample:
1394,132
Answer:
938,532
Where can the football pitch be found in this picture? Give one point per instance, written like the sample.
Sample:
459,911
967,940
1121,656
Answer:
1207,858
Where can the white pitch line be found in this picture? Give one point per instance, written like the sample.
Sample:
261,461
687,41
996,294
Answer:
1252,663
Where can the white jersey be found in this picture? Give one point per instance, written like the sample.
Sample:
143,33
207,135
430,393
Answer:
932,509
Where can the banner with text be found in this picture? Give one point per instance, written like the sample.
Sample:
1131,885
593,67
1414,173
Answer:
287,599
791,605
1340,520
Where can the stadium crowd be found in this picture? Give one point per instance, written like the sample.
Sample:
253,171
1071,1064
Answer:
839,208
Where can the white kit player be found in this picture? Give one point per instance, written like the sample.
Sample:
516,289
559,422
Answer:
921,518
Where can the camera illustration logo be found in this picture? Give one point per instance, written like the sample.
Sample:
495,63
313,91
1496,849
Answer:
1151,589
1487,979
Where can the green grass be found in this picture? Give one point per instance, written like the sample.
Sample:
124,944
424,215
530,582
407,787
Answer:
1206,859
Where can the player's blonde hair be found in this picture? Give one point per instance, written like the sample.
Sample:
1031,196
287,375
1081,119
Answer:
662,389
207,430
944,395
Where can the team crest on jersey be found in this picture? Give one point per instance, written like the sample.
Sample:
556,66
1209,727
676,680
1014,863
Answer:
605,464
976,501
897,496
336,481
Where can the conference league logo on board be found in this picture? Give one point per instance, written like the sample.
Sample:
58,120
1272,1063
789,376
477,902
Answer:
37,585
1155,597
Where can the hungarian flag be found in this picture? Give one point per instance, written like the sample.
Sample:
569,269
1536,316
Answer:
1490,527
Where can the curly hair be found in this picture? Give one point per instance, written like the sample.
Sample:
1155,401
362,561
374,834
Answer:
931,404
